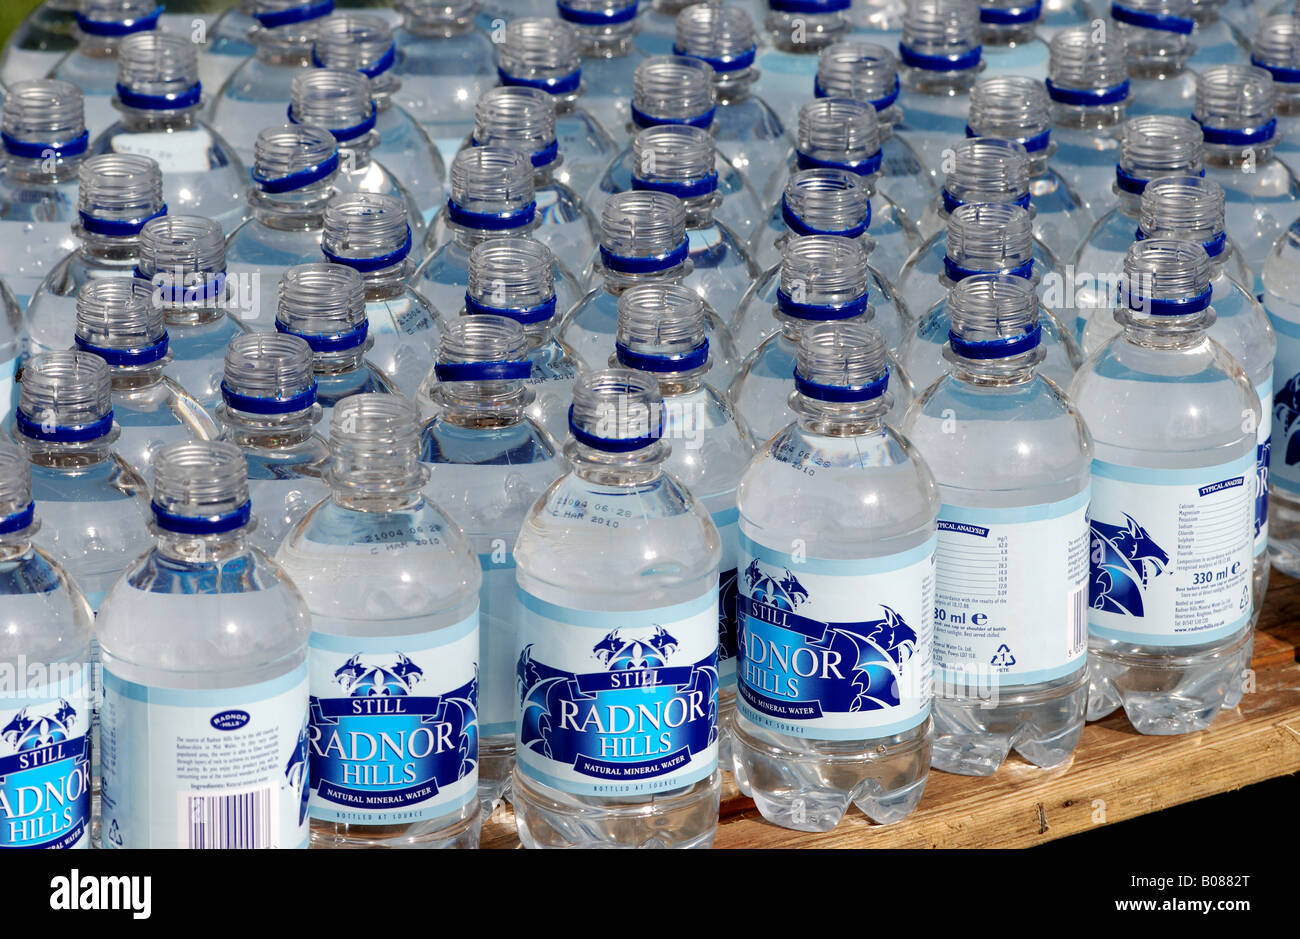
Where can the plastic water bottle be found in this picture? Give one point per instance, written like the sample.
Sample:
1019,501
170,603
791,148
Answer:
643,240
1012,458
836,603
46,714
392,585
984,169
595,609
679,159
294,175
118,321
1089,87
941,56
1173,418
990,238
117,194
44,140
515,278
1235,108
231,44
1157,35
869,72
11,341
269,411
492,196
159,97
204,639
820,202
523,119
339,100
1152,146
605,31
489,462
675,90
661,332
365,43
1216,41
1009,36
37,44
750,134
325,304
797,32
1277,50
1019,109
101,26
544,54
823,279
371,235
445,65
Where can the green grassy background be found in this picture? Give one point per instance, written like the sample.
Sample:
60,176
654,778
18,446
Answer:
11,14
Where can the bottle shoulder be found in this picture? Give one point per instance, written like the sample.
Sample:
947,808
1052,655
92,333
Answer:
47,618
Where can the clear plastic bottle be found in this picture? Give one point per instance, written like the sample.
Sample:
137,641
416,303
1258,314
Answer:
1277,50
515,278
1235,108
489,462
159,97
294,177
325,304
643,240
199,20
11,340
836,607
1216,41
941,57
43,143
617,567
661,332
605,31
117,194
673,90
364,42
797,31
1010,40
679,159
544,54
232,44
869,72
269,411
1089,87
750,134
445,65
984,169
118,321
823,278
1012,457
392,584
878,20
204,642
492,196
989,238
1019,109
820,202
101,26
371,235
1173,418
37,44
46,712
1158,38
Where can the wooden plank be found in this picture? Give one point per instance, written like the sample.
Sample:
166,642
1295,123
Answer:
1116,774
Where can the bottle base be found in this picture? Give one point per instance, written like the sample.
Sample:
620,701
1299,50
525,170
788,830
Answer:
683,818
1042,723
808,785
462,833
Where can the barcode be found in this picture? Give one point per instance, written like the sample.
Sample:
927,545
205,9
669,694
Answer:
1077,616
244,819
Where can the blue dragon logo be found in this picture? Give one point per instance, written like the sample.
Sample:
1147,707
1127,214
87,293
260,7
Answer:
1286,418
27,731
1125,561
618,652
784,592
361,680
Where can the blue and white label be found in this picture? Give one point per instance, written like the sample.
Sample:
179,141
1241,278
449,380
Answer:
1284,402
728,523
45,777
1263,456
835,649
1171,552
221,768
1011,591
619,703
394,724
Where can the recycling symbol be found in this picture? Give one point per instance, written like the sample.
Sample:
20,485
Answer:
1003,656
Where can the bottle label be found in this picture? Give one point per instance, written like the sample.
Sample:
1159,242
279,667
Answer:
181,151
617,704
1284,403
728,522
835,649
1011,594
1263,457
394,724
1171,552
499,614
221,768
45,775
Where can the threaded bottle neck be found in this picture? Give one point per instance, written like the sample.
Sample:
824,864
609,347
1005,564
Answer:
44,126
662,330
513,277
673,89
520,118
375,447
